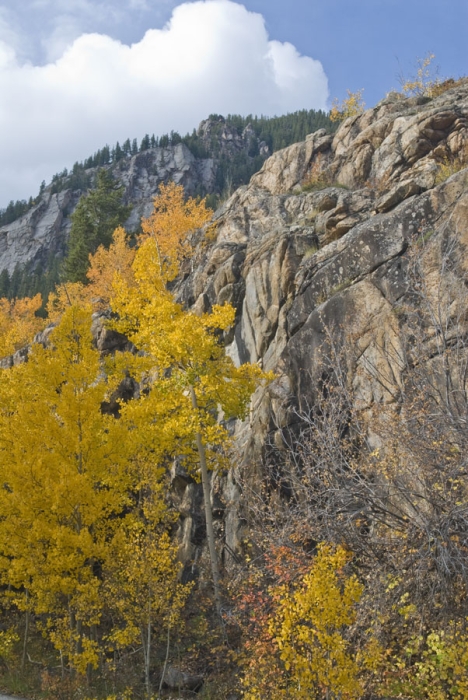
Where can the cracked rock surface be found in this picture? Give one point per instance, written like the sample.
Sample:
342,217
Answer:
302,262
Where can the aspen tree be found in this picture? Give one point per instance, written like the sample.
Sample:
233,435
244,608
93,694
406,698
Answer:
18,323
192,379
170,224
310,625
67,485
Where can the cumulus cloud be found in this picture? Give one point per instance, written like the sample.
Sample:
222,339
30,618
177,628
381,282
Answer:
212,56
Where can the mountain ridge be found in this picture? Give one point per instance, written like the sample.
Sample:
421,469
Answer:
229,151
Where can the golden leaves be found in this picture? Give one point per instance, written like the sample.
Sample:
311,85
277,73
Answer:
70,475
108,265
19,323
352,106
170,224
309,626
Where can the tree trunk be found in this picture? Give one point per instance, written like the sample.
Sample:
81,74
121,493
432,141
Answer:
168,646
146,641
208,512
25,641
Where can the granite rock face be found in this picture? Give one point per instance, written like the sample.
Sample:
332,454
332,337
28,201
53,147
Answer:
316,252
42,232
306,266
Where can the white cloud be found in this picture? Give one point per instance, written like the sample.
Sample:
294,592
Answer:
213,56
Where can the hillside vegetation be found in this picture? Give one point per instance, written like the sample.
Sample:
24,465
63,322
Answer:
272,132
238,465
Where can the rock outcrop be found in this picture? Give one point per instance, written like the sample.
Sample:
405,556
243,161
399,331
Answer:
320,242
43,231
41,234
316,251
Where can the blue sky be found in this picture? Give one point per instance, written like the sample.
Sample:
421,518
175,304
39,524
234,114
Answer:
76,74
367,43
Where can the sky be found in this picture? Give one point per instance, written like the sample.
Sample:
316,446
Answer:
77,74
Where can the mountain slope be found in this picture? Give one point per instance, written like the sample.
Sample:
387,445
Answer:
214,160
318,255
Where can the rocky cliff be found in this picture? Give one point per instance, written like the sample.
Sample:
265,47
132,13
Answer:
43,230
317,251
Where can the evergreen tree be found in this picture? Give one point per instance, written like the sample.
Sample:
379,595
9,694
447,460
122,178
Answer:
15,281
127,147
4,283
118,153
175,138
145,143
93,222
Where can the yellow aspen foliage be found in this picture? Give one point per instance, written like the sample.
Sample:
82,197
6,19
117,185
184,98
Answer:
310,625
350,107
142,589
181,350
67,485
424,82
8,640
433,666
19,323
172,220
108,264
66,295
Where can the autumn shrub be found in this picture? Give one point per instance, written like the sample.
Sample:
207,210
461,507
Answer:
351,106
255,596
298,640
433,665
426,81
449,166
440,87
310,627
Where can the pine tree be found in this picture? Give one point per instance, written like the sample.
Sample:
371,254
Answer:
127,147
4,283
93,222
118,153
145,143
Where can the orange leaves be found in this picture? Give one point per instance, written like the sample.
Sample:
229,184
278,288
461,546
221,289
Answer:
108,265
171,222
19,323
